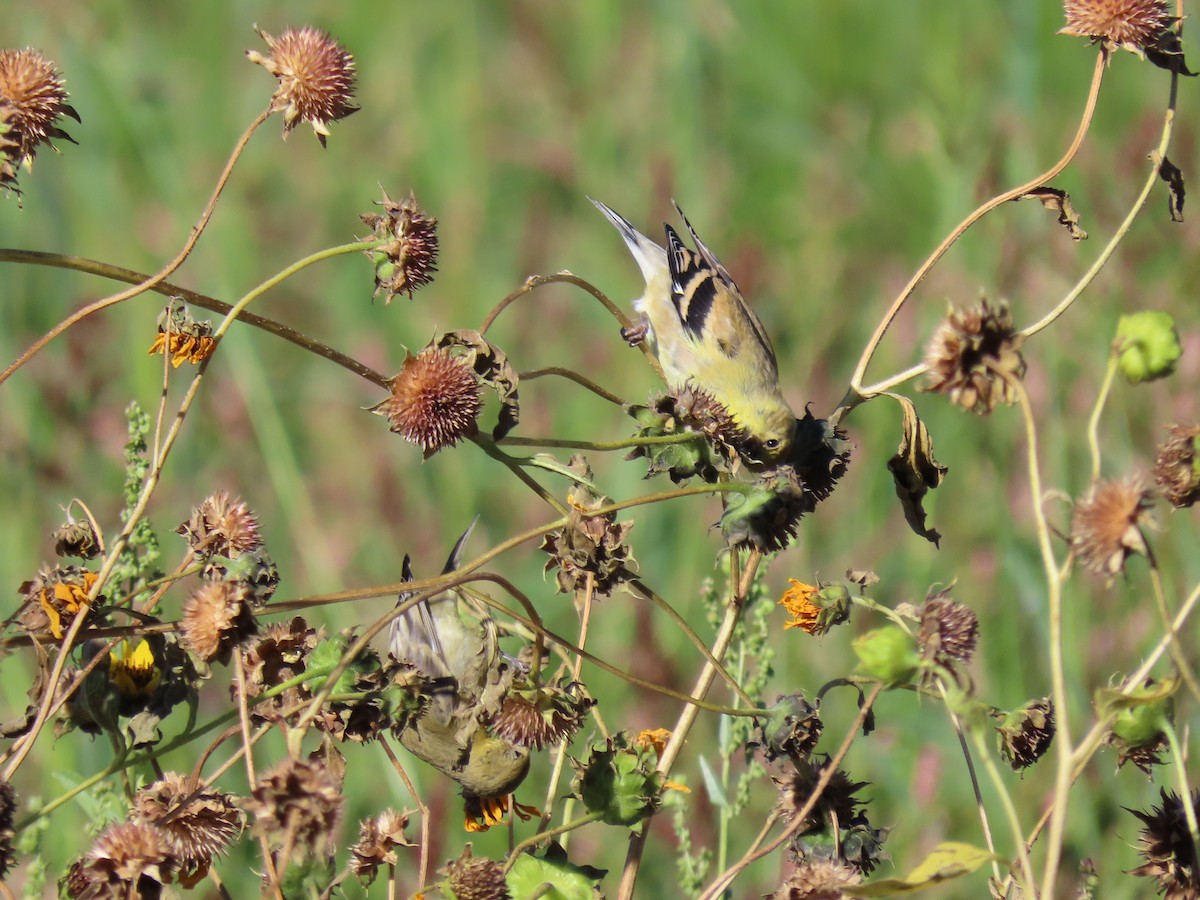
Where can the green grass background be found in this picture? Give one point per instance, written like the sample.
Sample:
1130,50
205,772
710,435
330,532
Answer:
822,149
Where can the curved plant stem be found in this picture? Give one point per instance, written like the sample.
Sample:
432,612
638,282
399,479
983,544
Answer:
1027,879
1093,427
572,375
423,867
530,843
166,270
855,395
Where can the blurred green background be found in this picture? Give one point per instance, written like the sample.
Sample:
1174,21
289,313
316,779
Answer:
822,150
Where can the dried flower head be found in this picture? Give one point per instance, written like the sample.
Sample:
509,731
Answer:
216,618
653,738
32,98
537,716
316,78
1026,733
591,549
8,806
130,859
767,515
299,803
1125,24
1167,846
406,256
476,878
378,839
970,355
1176,466
221,526
949,630
818,879
181,336
815,609
1106,526
58,596
76,538
435,400
280,654
197,822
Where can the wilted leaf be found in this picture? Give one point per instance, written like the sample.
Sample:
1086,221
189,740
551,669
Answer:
1167,52
491,364
1169,172
1059,202
915,470
1109,701
947,860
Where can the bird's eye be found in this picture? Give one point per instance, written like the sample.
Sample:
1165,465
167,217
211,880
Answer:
772,443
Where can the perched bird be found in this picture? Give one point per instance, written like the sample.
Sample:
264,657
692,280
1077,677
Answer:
703,334
468,676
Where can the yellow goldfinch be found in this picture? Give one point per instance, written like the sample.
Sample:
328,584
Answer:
464,657
705,335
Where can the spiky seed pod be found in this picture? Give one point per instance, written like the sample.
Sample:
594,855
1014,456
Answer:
970,354
949,630
280,654
1131,25
818,879
1107,525
378,839
435,401
221,526
129,859
216,619
476,878
1026,733
1171,856
32,100
1176,467
406,257
536,717
316,78
197,822
299,802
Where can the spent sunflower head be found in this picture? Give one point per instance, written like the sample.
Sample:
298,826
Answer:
299,802
32,99
129,859
973,354
1107,525
1171,857
221,526
216,619
949,630
534,717
378,839
1026,733
1177,465
405,247
197,822
1132,25
435,400
316,78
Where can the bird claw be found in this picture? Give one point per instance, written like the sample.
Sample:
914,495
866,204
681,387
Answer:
634,335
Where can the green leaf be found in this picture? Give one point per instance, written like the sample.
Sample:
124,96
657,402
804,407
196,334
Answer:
553,876
947,860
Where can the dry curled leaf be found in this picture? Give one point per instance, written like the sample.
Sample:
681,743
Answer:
491,364
1170,173
915,470
1059,202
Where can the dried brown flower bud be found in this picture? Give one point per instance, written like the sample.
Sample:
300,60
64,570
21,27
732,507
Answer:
535,717
1106,526
1167,846
299,803
1176,467
316,78
217,618
130,859
378,839
818,879
969,355
435,400
407,258
60,595
949,630
1026,733
280,654
181,336
474,878
221,526
1132,25
76,538
197,822
32,99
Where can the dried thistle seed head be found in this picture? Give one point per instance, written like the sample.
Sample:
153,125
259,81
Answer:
1176,466
949,630
406,258
970,354
316,78
254,570
55,597
818,879
1167,846
435,401
216,619
476,878
130,859
280,654
1107,523
1131,25
590,548
1026,733
299,802
197,822
32,99
378,839
8,806
76,538
538,716
837,802
221,526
